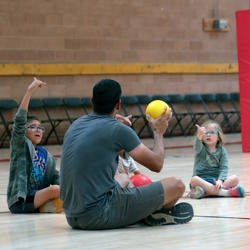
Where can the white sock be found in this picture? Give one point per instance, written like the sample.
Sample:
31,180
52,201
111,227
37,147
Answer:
223,192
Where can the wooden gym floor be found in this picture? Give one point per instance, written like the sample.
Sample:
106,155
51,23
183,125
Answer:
219,223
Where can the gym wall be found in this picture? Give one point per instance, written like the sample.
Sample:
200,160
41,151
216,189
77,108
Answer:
118,32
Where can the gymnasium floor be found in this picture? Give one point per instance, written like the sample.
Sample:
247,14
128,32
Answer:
219,223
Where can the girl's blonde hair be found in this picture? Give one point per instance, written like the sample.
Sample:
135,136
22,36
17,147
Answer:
217,126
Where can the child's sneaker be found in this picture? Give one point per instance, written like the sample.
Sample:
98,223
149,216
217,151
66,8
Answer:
53,206
237,191
196,193
180,213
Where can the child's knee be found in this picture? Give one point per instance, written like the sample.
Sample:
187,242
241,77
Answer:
235,179
54,190
194,181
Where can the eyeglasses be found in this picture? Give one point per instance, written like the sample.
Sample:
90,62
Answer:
211,132
36,128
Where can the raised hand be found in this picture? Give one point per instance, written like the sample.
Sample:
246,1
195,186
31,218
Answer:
124,119
160,124
200,132
36,84
33,86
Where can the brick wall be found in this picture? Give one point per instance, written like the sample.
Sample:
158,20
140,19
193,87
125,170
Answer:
117,31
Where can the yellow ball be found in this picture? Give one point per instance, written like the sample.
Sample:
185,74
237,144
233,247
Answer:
156,108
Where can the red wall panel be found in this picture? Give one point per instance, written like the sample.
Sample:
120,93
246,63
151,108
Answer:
243,46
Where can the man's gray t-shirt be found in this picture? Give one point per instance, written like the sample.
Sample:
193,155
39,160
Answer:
90,159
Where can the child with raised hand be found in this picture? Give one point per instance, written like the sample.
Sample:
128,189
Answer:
33,179
211,165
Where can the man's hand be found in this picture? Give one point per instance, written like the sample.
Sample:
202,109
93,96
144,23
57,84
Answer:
124,119
160,124
200,132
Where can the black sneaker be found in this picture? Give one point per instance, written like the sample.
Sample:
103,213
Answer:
181,213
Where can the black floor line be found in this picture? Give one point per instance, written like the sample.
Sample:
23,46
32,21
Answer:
4,212
222,217
247,193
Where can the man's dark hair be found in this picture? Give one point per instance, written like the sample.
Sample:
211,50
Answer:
106,94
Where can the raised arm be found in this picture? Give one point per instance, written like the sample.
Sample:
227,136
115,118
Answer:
153,159
200,132
19,127
31,88
198,145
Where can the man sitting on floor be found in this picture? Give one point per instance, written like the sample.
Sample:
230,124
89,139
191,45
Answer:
92,199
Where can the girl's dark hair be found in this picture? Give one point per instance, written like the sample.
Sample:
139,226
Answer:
106,94
32,118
